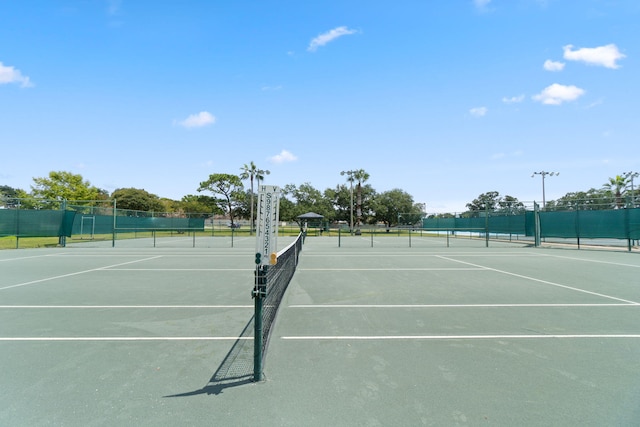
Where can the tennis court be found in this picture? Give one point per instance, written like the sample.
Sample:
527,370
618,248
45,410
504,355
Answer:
370,333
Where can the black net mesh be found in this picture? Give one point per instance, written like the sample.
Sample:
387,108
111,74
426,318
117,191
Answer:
278,278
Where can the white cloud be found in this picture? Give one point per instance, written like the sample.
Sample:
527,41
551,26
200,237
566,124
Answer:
9,74
605,56
513,99
284,157
478,111
556,94
271,88
503,155
329,36
201,119
480,4
550,65
113,7
594,104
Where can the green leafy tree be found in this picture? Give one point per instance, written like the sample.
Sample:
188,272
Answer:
485,201
510,205
9,196
137,200
231,190
593,199
616,186
61,185
396,206
492,201
340,198
205,206
287,210
8,192
306,198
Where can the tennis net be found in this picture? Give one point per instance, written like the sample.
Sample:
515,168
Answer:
271,284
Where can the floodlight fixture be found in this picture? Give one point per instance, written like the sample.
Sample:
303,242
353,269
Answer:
544,174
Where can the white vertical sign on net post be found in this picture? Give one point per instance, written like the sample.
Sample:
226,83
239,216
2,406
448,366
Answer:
267,227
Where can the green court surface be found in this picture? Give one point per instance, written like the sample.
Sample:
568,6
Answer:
371,332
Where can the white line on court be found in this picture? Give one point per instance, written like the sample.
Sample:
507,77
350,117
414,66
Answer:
77,273
123,306
397,269
543,281
594,261
124,338
181,269
420,254
25,257
456,305
129,255
454,337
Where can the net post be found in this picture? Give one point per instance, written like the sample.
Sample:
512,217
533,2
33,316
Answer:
113,237
266,248
486,226
536,224
258,295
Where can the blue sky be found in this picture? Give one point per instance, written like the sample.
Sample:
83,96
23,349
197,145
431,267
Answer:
444,99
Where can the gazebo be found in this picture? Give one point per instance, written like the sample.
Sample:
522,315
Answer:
312,219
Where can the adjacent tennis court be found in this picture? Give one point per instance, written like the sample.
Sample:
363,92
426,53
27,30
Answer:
384,332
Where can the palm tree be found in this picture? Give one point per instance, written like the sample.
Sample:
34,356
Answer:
361,176
616,186
252,172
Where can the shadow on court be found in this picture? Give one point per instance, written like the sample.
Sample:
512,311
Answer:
235,370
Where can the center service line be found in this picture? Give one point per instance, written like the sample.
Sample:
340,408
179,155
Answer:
452,337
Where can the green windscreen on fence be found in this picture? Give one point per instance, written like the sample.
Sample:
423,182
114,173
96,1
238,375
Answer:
36,223
598,224
103,224
55,223
594,224
504,224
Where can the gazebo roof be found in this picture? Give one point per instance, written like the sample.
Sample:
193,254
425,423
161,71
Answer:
310,215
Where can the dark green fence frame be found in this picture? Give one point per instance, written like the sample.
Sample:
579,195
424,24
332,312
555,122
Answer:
576,224
85,220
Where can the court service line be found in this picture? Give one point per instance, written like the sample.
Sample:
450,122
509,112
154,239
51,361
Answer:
25,257
456,305
594,261
398,269
76,273
122,306
124,338
419,254
454,337
543,281
182,269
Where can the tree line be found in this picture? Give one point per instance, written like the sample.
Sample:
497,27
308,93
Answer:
223,194
352,202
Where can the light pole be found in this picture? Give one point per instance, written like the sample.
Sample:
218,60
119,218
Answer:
544,174
350,179
632,175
